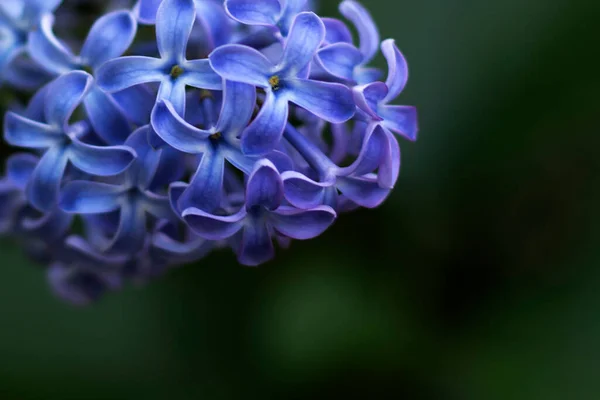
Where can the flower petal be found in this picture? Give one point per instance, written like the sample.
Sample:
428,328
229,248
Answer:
19,168
174,22
47,50
264,187
109,37
213,227
398,69
174,130
106,117
264,133
372,154
303,192
367,30
302,224
146,11
401,119
158,206
84,197
131,234
100,161
206,186
239,63
136,102
64,95
124,72
199,74
306,34
368,97
332,102
257,245
23,132
43,186
364,191
252,12
336,31
239,100
340,59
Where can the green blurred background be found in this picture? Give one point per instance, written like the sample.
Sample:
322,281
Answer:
478,279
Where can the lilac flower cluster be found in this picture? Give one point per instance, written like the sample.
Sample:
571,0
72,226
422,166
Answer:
242,123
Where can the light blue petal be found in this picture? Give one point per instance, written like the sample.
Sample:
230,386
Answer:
244,64
124,72
110,37
158,206
83,197
176,131
131,234
106,117
302,192
252,12
47,50
398,69
401,120
365,25
340,60
64,95
239,100
264,133
19,168
199,74
23,132
174,22
146,11
332,102
136,102
306,35
336,31
364,191
43,187
368,97
100,161
173,91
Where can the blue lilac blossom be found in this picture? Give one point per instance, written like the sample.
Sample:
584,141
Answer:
240,125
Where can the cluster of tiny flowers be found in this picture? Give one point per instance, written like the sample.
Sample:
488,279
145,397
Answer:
183,126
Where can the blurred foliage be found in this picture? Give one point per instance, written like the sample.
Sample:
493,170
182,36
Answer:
478,279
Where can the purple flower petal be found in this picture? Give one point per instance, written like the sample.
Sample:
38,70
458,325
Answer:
303,192
174,92
367,30
264,187
23,132
136,102
401,120
42,189
306,35
47,50
398,70
131,234
302,224
100,161
174,22
109,37
336,31
176,131
331,101
213,227
122,73
368,97
64,95
146,11
340,60
264,133
244,64
364,191
83,197
157,206
252,12
206,186
256,246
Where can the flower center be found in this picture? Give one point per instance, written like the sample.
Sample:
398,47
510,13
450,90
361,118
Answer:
176,71
205,94
274,82
215,136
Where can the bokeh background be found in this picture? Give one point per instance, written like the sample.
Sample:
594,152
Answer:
478,279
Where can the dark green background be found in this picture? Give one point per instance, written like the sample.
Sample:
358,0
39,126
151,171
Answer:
478,279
